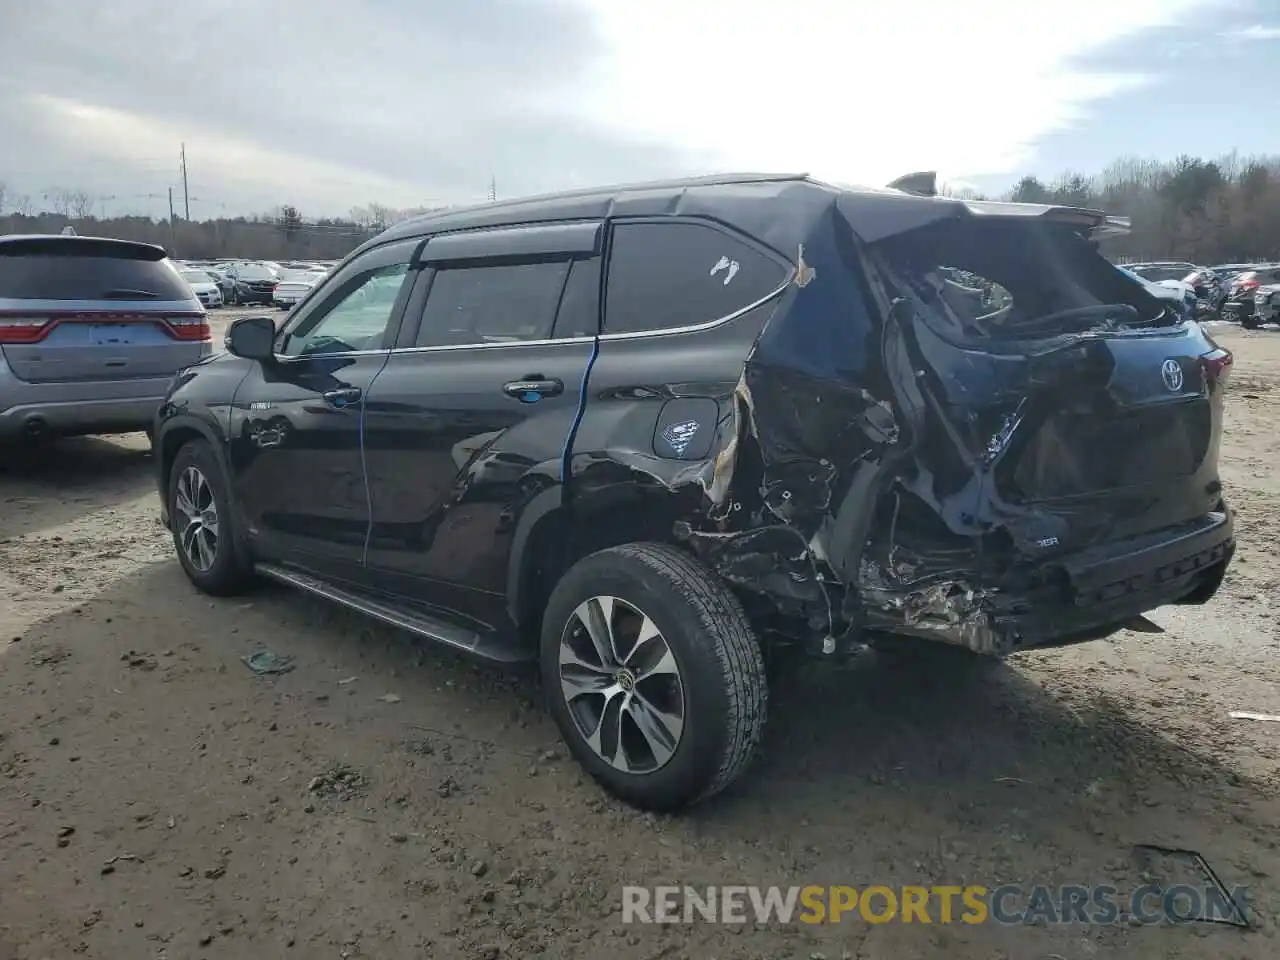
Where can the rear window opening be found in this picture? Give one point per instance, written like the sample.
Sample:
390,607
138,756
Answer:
1001,279
85,271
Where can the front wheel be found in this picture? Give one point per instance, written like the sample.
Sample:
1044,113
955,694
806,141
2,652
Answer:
201,523
653,675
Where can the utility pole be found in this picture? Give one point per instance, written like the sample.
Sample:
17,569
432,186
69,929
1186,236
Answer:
186,197
173,242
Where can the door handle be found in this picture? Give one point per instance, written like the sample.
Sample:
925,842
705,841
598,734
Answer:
342,397
533,388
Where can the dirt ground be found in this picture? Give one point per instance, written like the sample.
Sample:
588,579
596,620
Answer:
159,800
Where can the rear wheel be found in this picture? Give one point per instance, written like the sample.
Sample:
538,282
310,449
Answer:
653,675
1250,322
201,523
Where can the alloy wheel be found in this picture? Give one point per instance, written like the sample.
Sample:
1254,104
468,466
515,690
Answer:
622,685
198,519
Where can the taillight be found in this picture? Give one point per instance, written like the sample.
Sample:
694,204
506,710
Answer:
1244,285
193,326
24,329
1217,367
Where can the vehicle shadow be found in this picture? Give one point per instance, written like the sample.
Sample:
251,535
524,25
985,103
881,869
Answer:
870,775
57,481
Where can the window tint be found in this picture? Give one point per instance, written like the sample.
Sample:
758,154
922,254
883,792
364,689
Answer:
357,320
579,314
60,277
664,275
492,304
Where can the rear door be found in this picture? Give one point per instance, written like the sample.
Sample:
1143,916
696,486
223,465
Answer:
295,425
470,420
76,309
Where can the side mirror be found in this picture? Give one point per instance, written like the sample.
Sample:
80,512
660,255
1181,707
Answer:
252,338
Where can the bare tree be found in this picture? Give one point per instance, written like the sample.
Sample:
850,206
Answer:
79,204
2,193
59,201
379,216
360,216
22,205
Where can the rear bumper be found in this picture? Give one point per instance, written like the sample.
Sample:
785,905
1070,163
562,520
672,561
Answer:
105,406
1080,597
1107,587
70,417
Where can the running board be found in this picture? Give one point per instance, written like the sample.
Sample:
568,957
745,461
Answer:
424,625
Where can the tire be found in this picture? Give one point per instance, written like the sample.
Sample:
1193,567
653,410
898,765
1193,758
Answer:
720,675
1250,322
227,573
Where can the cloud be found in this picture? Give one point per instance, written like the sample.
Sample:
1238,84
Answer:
329,103
320,103
1257,31
858,91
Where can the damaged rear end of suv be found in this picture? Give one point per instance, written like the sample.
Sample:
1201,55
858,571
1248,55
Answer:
963,424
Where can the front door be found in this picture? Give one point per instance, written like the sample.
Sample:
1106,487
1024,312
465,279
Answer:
295,425
471,421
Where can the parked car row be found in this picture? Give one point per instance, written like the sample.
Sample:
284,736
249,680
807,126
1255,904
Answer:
1245,293
246,282
1204,285
1253,296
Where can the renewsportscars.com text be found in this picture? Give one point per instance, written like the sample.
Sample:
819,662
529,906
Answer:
939,904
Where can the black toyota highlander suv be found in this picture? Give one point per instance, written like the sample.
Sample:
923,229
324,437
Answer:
654,436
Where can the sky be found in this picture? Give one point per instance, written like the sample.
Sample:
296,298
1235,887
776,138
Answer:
329,104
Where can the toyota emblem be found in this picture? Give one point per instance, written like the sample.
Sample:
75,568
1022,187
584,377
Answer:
1171,373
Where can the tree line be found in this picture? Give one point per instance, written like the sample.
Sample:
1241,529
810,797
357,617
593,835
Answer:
1203,211
280,234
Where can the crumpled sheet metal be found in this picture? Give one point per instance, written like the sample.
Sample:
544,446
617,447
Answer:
802,411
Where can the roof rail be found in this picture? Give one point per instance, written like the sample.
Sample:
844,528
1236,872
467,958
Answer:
923,183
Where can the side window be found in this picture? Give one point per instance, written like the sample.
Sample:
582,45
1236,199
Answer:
579,314
356,320
665,275
492,303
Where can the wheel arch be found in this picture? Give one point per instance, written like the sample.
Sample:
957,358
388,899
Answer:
176,433
554,533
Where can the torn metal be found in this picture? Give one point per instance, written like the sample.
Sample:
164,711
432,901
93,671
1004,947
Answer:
1012,434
